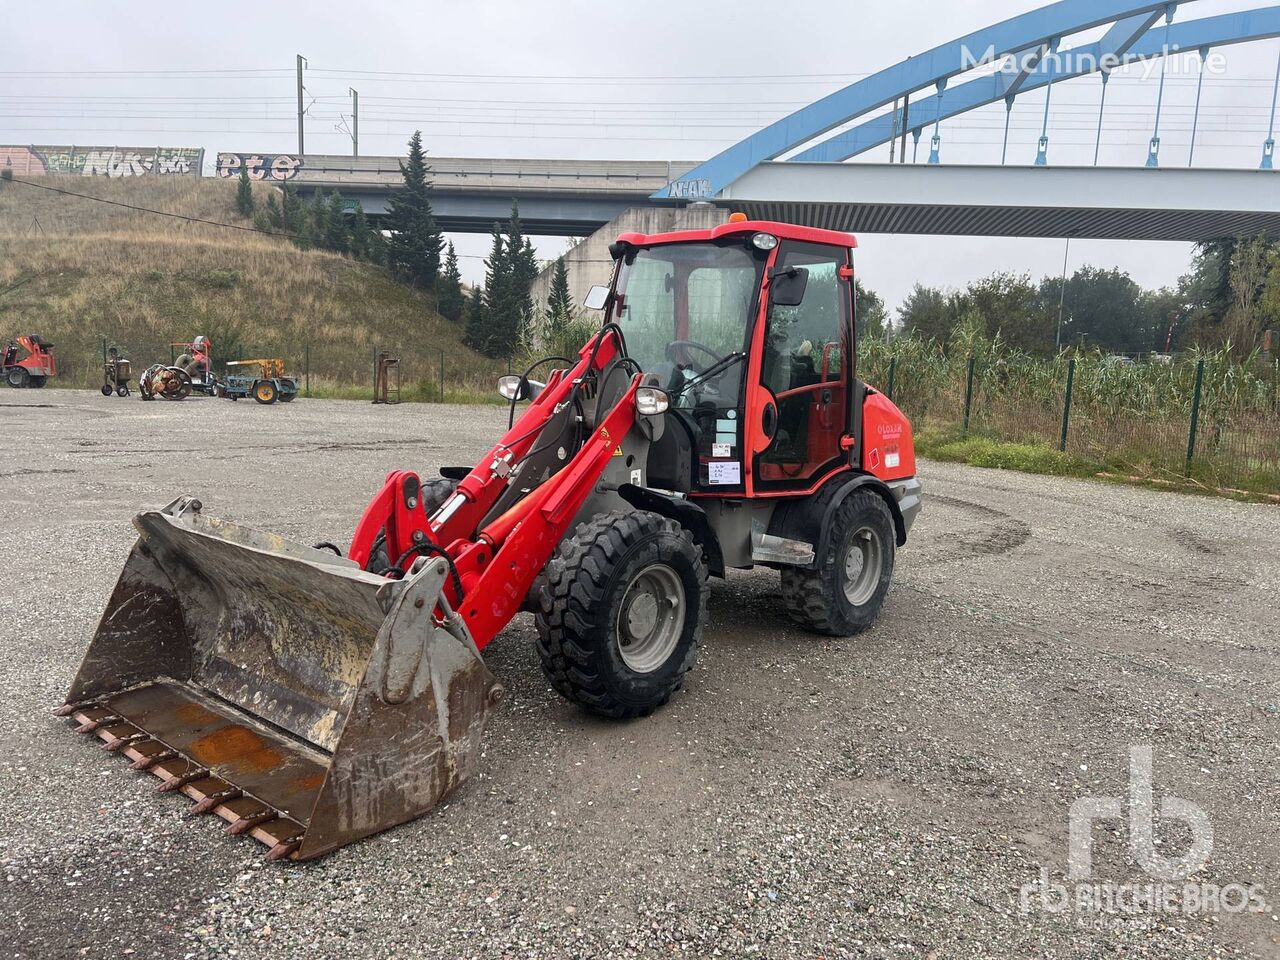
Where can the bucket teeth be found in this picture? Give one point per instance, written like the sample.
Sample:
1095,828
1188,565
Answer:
93,723
245,824
284,848
208,804
147,762
181,780
119,743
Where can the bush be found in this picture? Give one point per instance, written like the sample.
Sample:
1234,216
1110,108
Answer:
219,279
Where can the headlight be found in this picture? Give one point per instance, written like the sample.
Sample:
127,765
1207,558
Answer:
509,387
651,401
764,241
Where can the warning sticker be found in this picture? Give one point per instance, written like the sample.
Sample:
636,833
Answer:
724,472
617,452
891,460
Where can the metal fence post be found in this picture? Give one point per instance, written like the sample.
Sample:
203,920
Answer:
306,366
968,394
1066,403
442,376
1195,415
893,367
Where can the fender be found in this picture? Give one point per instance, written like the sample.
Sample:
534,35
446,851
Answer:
686,513
809,518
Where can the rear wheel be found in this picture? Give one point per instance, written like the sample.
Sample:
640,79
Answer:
844,594
264,391
621,610
122,390
106,390
286,397
17,376
434,494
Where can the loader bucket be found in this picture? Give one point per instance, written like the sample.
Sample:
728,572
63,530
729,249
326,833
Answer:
301,699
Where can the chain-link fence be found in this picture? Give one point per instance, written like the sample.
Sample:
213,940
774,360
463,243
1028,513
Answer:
1201,416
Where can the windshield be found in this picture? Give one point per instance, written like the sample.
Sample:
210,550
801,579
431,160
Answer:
684,309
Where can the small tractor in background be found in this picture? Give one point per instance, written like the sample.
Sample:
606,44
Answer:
196,360
116,374
33,370
269,385
714,421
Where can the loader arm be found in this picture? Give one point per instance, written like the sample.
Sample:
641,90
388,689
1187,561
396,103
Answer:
399,501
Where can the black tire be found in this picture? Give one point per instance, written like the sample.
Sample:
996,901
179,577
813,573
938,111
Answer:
434,494
38,381
833,599
17,377
122,390
286,397
581,594
106,390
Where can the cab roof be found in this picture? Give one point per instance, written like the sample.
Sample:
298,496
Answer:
783,231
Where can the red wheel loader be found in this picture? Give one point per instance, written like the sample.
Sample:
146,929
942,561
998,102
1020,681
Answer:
715,421
33,370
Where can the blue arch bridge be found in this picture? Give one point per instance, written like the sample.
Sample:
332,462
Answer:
795,167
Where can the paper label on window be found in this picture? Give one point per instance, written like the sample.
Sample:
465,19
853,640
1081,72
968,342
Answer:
722,449
729,438
891,460
726,426
637,478
724,471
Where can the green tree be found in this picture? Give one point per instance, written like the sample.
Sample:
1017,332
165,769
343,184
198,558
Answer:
336,237
870,313
275,215
244,194
318,220
1102,308
928,313
361,235
449,297
1009,305
485,324
416,241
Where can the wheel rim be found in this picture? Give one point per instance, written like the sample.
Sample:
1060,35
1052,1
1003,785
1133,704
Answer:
651,618
863,562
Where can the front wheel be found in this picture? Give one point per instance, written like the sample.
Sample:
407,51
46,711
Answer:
17,376
122,390
622,607
264,391
106,390
844,594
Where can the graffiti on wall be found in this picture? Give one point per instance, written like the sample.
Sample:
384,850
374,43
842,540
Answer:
259,166
38,159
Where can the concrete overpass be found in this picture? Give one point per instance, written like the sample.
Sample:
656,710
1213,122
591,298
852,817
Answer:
557,197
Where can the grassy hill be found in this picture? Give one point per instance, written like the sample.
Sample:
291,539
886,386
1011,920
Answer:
142,281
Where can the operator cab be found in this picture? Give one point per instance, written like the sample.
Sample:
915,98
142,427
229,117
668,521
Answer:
759,391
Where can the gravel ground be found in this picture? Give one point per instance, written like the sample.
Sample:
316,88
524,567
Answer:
886,795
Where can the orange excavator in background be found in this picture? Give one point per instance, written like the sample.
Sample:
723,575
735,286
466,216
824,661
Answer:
33,370
715,421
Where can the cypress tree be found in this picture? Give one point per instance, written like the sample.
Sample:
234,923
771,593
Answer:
477,319
449,298
275,216
244,194
360,234
559,302
335,236
487,326
416,241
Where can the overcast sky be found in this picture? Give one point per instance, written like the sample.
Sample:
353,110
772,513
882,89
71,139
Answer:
658,80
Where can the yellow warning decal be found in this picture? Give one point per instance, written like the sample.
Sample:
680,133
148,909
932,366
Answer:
617,451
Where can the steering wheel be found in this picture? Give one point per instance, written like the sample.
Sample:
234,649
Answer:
676,345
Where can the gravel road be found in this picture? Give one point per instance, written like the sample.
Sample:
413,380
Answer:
887,795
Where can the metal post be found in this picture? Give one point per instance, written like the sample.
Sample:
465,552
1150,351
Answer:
301,148
104,349
1102,105
1153,152
893,368
906,116
1269,148
968,394
893,139
1195,117
306,366
1066,403
1062,295
1195,414
1008,113
355,121
442,376
915,145
935,144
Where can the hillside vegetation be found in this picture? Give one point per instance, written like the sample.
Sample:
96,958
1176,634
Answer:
93,270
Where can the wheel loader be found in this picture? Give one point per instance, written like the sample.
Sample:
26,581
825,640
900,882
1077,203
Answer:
713,422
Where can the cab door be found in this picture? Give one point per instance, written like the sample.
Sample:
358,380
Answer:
805,369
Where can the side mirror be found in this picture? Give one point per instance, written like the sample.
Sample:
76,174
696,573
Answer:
514,387
787,286
596,298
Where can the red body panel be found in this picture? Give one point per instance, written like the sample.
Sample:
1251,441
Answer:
783,231
39,362
888,450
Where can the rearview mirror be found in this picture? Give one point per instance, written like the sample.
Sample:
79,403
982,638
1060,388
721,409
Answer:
787,286
596,298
